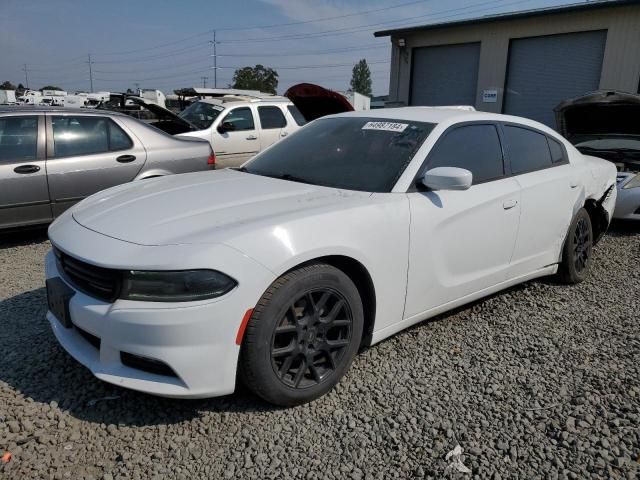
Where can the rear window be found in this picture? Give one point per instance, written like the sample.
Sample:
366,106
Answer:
271,117
528,150
297,116
557,152
18,138
353,153
81,135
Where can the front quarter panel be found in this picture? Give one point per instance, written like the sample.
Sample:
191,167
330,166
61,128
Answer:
375,233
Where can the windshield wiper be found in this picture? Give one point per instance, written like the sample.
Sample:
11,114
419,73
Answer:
286,176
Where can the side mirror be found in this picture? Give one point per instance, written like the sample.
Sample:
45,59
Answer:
447,178
226,127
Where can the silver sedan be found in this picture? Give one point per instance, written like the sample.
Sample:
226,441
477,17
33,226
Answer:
51,158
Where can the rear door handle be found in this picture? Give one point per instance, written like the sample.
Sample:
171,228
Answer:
126,158
509,204
284,134
252,137
27,169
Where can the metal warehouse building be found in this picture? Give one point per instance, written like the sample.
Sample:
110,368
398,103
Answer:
521,63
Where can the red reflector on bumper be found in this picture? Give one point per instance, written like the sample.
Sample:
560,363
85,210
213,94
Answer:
243,326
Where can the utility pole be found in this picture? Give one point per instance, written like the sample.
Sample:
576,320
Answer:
215,60
26,75
204,81
137,84
90,73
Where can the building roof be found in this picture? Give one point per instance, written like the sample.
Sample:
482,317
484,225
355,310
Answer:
574,7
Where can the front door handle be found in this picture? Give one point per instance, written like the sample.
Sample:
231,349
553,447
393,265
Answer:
27,169
284,134
509,204
126,158
252,137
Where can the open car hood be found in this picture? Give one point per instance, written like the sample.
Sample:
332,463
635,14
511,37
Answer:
315,101
601,112
165,120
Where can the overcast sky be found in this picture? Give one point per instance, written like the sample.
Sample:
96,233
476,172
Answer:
167,45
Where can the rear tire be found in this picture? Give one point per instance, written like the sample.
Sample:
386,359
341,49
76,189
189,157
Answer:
577,250
302,336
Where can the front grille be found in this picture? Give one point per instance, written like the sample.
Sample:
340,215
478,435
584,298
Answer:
101,283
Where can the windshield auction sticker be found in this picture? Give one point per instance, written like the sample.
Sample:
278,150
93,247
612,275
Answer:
387,126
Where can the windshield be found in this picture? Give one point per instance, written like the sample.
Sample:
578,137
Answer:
607,142
201,114
353,153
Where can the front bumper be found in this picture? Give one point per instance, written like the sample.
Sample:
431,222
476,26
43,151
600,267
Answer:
196,341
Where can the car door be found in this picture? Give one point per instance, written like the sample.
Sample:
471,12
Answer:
549,193
24,196
273,125
86,154
462,241
235,146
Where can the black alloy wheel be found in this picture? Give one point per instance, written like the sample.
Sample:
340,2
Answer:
582,245
311,338
302,335
576,252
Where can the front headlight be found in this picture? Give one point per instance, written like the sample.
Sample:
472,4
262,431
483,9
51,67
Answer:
634,183
175,286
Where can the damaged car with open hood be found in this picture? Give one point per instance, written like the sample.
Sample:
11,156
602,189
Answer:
605,124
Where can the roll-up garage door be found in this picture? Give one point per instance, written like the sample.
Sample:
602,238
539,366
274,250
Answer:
445,75
543,71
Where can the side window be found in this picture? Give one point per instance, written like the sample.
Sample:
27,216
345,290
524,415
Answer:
118,140
80,135
473,147
528,150
241,118
271,117
18,138
557,152
297,115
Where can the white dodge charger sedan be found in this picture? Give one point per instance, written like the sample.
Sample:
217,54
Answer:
344,233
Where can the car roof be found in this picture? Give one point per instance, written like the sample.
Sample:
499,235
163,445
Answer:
451,114
235,99
26,109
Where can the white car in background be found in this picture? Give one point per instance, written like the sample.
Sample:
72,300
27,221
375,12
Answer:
238,127
344,233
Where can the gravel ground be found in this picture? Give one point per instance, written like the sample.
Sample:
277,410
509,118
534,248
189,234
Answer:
540,381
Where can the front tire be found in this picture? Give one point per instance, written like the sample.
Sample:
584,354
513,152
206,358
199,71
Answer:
577,250
302,335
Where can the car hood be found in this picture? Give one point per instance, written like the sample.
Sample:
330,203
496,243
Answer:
168,121
601,112
202,207
315,101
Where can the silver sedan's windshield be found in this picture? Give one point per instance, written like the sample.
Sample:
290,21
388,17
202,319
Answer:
354,153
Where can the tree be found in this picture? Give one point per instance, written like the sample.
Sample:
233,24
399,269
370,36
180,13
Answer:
361,78
259,77
7,86
50,87
130,92
20,88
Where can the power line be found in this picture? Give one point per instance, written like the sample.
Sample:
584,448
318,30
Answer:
366,27
275,25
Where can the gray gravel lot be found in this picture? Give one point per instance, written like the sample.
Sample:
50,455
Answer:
541,381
